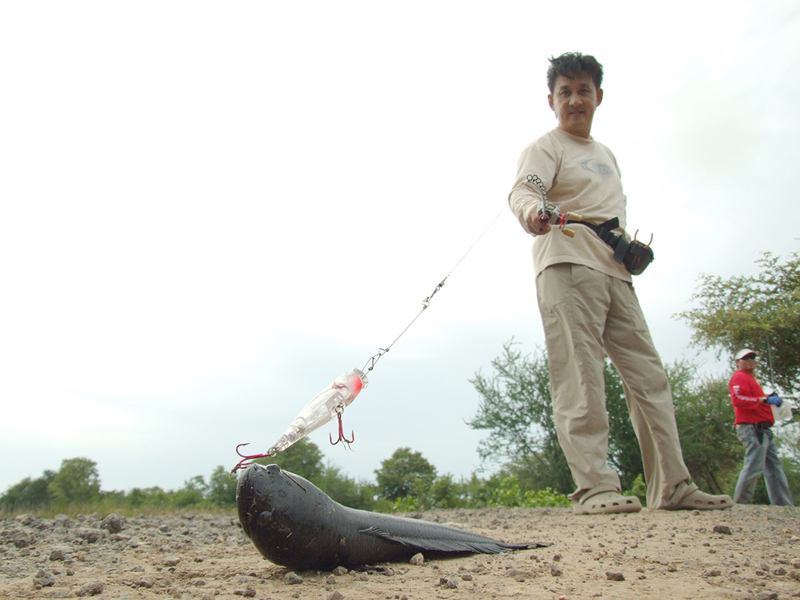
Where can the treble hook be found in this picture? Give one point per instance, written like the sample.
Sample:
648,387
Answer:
339,411
245,457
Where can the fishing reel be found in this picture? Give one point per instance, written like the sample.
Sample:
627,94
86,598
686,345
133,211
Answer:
550,213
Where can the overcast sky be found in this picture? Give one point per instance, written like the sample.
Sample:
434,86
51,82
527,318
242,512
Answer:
211,210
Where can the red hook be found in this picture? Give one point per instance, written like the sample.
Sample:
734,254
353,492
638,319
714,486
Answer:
245,457
341,431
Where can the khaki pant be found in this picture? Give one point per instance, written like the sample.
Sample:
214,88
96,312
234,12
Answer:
587,315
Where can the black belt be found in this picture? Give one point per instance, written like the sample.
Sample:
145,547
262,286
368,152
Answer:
634,255
760,428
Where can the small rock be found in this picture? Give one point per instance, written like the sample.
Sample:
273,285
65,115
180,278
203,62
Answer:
336,596
62,520
724,529
248,592
171,561
25,519
448,583
713,573
92,588
615,576
292,578
23,540
556,571
90,535
146,582
417,559
339,571
466,577
113,523
43,579
57,554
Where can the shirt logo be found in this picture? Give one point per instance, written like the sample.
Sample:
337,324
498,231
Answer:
596,167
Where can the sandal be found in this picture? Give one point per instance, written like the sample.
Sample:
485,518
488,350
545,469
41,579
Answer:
605,499
694,499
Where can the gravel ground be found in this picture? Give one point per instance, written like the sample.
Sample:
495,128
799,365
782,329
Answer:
746,552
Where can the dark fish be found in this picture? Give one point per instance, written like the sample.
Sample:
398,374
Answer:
295,524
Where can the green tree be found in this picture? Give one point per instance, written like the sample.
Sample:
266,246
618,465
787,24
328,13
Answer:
703,412
77,481
221,488
193,492
302,458
444,492
135,498
28,493
509,493
406,473
516,407
346,490
153,497
759,311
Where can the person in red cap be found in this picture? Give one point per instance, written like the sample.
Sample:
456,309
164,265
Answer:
754,419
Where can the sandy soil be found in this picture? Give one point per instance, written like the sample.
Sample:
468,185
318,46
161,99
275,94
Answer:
746,552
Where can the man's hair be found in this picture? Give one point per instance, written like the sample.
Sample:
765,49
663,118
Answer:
572,65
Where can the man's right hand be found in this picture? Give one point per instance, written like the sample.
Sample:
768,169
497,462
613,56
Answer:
774,399
535,226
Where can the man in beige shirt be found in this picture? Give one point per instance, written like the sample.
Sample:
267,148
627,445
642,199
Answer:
589,308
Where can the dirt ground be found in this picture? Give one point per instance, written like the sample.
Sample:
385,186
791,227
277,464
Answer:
746,552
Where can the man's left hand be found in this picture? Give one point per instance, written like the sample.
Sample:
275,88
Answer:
774,399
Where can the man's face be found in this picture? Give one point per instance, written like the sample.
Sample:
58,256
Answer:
574,102
747,364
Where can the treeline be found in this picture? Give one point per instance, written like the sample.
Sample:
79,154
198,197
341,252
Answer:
406,482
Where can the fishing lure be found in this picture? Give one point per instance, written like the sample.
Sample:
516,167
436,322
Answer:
326,405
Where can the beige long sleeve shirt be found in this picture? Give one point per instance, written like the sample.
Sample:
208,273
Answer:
581,176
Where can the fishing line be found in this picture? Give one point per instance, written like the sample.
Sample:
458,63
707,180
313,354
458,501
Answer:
373,360
331,402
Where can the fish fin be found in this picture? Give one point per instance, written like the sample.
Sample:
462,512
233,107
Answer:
435,544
